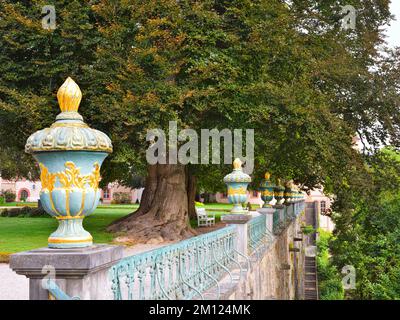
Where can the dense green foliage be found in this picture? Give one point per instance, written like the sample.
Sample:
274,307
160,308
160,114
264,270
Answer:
329,281
287,71
8,195
368,232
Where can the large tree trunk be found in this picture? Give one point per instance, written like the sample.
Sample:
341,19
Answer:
191,188
163,214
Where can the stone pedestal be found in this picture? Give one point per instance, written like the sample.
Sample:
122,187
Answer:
240,221
269,212
80,272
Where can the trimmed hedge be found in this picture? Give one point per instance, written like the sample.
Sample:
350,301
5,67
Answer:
23,212
9,195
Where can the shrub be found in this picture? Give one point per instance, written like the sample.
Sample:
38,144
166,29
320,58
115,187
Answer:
198,204
121,198
23,212
329,280
309,229
9,195
2,200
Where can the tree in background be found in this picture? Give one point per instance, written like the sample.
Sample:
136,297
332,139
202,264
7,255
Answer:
288,71
367,235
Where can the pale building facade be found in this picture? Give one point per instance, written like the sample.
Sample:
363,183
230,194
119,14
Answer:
30,191
322,204
109,193
24,189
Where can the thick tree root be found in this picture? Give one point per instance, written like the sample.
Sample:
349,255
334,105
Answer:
144,229
163,214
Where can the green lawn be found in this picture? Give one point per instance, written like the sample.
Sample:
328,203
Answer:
20,234
18,204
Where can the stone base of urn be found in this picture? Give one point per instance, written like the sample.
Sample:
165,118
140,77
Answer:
79,272
269,212
70,234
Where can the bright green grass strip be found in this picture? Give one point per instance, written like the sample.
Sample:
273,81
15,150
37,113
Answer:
19,204
20,234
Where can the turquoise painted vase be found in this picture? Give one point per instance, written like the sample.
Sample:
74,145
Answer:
279,193
70,155
288,195
267,191
237,182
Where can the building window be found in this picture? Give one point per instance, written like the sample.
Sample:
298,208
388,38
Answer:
224,195
254,194
323,206
33,187
106,194
23,195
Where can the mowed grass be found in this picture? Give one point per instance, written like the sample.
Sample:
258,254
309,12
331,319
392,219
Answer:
20,234
19,204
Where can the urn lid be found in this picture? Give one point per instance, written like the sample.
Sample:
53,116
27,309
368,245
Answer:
237,175
69,132
266,181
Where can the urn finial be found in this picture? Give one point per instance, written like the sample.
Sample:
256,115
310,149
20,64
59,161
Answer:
69,96
237,164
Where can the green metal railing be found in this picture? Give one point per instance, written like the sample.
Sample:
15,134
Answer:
180,271
282,217
258,235
187,269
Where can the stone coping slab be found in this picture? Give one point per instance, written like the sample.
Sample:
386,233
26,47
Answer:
67,262
236,218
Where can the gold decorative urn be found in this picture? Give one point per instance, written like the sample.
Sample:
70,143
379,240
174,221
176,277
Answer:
70,155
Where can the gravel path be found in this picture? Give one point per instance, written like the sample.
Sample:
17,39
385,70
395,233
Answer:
12,285
16,287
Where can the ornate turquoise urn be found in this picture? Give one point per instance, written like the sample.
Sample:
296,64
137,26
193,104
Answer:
237,182
267,190
288,195
279,193
70,155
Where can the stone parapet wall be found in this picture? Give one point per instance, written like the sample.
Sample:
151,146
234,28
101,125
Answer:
276,273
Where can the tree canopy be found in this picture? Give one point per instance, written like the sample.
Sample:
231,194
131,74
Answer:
367,233
286,69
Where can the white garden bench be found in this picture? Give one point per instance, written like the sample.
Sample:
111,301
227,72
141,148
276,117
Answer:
203,218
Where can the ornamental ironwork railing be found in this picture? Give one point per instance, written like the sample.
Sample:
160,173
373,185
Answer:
184,270
275,220
258,235
283,216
